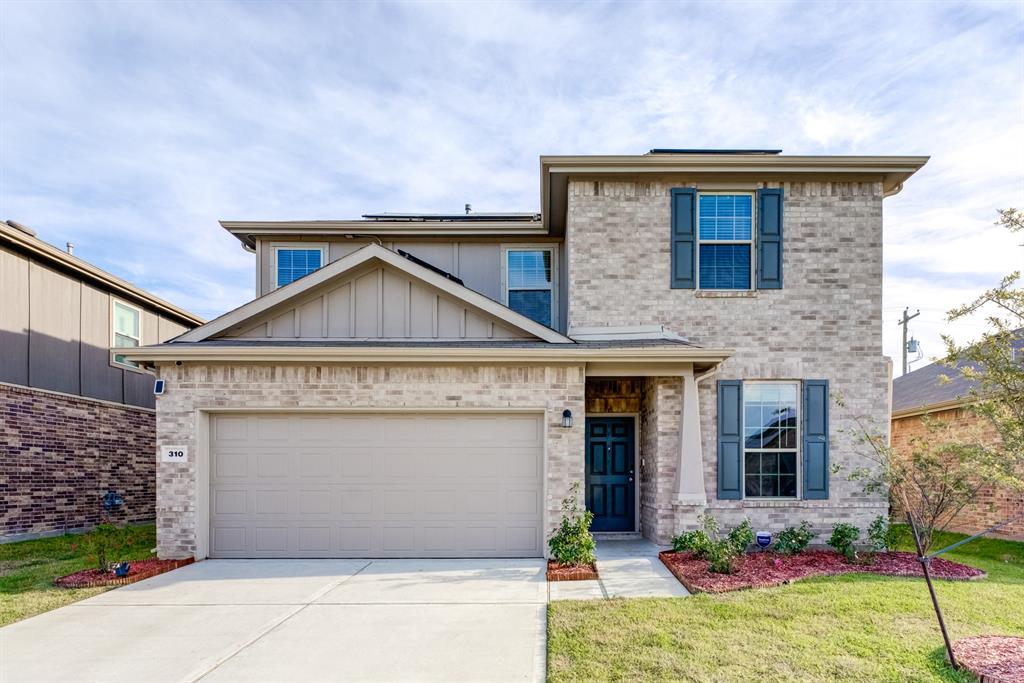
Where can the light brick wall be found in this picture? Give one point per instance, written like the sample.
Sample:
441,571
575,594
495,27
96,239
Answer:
992,506
824,324
659,433
337,387
60,453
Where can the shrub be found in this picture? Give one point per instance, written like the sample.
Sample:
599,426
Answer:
843,538
572,545
697,541
794,540
742,536
707,544
105,545
881,534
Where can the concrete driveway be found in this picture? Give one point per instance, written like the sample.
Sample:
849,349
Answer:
296,620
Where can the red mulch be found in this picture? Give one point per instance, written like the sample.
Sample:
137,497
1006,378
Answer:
137,571
559,572
993,659
761,570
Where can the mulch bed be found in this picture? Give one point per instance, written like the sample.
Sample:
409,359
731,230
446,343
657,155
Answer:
993,659
558,572
761,570
137,571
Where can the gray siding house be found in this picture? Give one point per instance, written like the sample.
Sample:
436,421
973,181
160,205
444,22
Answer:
668,330
76,420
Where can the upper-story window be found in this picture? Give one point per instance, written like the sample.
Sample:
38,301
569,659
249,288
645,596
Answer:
293,262
127,330
531,279
770,438
725,231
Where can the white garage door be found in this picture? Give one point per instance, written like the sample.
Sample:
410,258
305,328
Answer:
376,485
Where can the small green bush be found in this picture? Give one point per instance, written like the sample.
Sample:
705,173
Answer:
843,539
794,540
881,534
742,536
697,541
572,544
707,544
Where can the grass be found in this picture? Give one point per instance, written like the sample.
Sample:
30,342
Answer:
856,627
28,568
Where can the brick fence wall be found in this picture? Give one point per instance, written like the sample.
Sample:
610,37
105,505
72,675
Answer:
59,454
993,505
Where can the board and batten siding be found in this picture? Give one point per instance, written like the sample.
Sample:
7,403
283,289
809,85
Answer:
375,303
476,263
55,333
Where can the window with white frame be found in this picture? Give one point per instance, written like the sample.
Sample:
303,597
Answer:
530,279
725,234
294,262
770,437
127,330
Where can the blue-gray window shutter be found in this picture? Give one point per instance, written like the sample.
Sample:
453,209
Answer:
730,439
815,445
684,238
769,238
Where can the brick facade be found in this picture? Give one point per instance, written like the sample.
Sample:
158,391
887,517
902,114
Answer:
338,387
993,505
59,454
824,324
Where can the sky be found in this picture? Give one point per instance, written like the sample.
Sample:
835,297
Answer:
131,128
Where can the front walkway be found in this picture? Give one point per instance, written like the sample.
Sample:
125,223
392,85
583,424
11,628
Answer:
298,620
628,569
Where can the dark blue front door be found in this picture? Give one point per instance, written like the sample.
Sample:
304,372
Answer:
610,471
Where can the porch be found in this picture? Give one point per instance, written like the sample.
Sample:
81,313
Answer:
644,470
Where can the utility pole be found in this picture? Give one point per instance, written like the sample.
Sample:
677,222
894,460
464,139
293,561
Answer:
906,319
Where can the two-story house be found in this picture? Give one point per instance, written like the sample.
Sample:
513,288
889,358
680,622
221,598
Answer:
76,421
667,331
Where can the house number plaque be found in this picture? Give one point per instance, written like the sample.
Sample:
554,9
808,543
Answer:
174,454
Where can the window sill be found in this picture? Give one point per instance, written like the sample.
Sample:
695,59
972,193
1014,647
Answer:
725,294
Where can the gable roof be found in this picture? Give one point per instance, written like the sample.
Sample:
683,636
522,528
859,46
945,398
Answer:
252,311
925,387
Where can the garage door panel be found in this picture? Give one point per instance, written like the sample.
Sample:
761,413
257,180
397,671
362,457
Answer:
273,465
364,485
276,503
318,503
229,502
230,428
273,428
231,465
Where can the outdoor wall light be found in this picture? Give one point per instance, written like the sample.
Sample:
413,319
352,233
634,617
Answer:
567,418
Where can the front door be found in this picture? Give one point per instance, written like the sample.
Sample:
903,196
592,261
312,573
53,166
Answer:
611,447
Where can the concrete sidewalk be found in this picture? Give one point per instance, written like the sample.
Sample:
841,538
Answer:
628,569
308,620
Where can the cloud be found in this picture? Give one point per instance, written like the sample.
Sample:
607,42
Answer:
131,128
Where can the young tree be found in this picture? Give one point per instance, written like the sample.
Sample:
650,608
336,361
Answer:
994,363
946,469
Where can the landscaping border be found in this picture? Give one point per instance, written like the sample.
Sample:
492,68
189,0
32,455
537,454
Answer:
155,568
558,572
694,587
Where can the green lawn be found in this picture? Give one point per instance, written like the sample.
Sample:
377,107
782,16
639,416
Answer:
28,568
848,628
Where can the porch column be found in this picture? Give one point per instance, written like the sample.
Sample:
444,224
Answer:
690,470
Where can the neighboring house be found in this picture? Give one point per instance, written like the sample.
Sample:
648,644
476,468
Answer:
941,393
667,331
76,420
